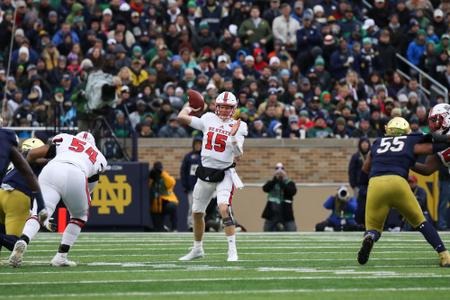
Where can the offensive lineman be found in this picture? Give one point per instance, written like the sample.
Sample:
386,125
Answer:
70,175
223,140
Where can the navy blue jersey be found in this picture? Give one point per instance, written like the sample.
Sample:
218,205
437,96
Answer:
394,155
7,141
18,182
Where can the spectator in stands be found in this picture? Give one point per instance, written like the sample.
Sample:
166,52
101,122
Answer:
342,216
274,11
278,212
364,129
341,60
187,173
257,129
121,125
255,29
417,48
172,129
163,200
187,45
358,180
340,129
320,129
284,28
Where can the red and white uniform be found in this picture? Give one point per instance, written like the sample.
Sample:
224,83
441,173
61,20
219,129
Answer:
66,176
439,122
218,151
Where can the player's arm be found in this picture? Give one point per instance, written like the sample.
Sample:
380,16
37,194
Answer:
237,140
431,165
25,170
39,155
185,118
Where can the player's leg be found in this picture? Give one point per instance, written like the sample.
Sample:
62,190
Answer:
171,209
77,199
51,198
225,190
410,209
2,217
190,201
202,194
377,208
16,212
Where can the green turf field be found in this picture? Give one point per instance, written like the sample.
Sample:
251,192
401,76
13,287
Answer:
278,266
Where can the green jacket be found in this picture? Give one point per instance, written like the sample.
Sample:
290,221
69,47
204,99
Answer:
263,31
280,198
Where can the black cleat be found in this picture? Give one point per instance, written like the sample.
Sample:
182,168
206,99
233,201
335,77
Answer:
364,252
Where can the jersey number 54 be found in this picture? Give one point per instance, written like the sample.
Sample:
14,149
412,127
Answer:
78,146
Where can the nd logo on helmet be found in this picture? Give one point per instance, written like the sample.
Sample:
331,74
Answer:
109,194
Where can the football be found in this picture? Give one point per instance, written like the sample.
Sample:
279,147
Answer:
195,100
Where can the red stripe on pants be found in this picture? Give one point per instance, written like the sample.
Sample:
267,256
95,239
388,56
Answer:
88,195
230,200
62,219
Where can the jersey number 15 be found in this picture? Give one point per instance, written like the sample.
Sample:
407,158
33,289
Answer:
393,144
219,142
78,146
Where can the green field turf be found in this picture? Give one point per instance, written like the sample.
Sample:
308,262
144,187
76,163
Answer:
278,266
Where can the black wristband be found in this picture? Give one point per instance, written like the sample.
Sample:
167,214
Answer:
39,200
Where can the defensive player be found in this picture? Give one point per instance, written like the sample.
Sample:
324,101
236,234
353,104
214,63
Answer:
70,176
15,199
389,162
10,153
223,140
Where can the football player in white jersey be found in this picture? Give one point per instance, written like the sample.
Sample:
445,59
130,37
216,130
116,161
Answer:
439,123
71,175
223,140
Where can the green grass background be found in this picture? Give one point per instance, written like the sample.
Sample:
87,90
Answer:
272,266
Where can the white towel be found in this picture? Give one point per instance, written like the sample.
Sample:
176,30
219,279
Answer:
235,178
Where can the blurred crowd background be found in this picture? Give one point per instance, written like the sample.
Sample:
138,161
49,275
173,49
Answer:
300,69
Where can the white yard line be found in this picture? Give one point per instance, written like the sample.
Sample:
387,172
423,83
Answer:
175,258
211,248
152,267
226,279
238,292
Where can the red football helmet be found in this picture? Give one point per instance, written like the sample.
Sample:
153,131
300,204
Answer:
439,118
227,100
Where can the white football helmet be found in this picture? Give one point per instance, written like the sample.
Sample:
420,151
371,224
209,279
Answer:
86,136
439,118
226,99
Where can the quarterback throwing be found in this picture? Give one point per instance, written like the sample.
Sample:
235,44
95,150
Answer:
222,145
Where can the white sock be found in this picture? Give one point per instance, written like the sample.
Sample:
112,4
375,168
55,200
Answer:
231,242
31,228
198,244
71,234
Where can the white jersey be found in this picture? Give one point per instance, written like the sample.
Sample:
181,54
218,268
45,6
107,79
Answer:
217,148
70,149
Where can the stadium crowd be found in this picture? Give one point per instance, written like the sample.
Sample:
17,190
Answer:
312,68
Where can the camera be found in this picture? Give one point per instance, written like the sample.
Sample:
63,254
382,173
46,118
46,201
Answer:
342,193
100,90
